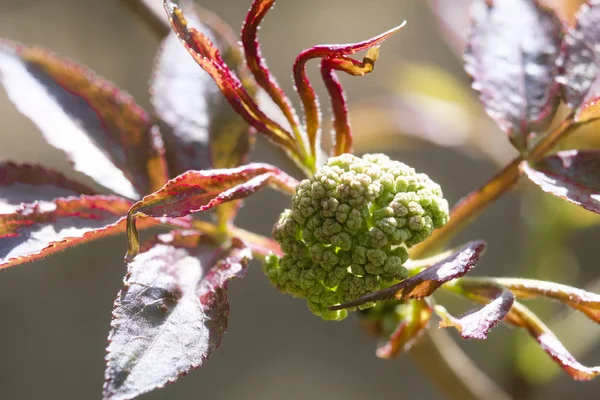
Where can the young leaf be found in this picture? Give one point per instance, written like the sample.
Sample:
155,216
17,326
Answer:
579,63
101,129
476,325
171,313
202,131
415,319
572,175
584,301
426,282
196,191
520,316
511,56
25,183
39,229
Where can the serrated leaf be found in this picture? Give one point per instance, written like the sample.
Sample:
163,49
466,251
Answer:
196,191
415,319
203,131
579,299
427,281
511,56
26,183
171,313
477,324
571,175
39,229
580,64
105,134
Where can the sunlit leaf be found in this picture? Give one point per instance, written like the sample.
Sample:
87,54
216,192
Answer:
415,316
477,324
426,282
203,131
171,313
579,299
196,191
579,63
571,175
511,55
101,129
39,229
25,183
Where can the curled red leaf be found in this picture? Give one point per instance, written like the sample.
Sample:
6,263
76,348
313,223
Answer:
308,96
572,175
196,191
172,311
477,324
426,282
101,129
511,56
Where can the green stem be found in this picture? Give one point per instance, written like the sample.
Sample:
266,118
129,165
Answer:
474,203
451,370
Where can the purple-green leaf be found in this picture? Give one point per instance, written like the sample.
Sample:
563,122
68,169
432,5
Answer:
24,183
477,324
427,281
511,55
580,62
202,131
571,175
105,134
171,313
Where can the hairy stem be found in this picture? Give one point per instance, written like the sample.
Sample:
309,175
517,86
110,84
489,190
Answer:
153,14
451,370
475,202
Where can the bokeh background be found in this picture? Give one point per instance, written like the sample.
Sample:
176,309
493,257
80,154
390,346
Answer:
55,314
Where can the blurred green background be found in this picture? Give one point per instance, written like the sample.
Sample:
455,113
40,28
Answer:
55,313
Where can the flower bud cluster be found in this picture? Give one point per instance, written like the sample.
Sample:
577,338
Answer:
349,230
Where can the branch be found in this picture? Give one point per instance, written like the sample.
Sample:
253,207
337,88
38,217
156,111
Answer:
152,13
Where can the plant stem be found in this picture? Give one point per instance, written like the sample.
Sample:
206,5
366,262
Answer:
451,370
475,202
153,14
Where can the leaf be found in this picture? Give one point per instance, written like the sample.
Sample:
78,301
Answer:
571,175
580,64
39,229
25,183
427,281
105,134
520,316
203,131
477,324
171,313
579,299
415,319
196,191
511,56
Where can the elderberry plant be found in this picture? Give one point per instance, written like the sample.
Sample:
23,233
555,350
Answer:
363,234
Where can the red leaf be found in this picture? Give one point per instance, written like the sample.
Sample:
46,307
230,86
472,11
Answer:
203,131
511,55
25,183
415,319
196,191
579,62
40,229
572,175
476,325
426,282
520,316
171,313
308,96
584,301
101,129
209,58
